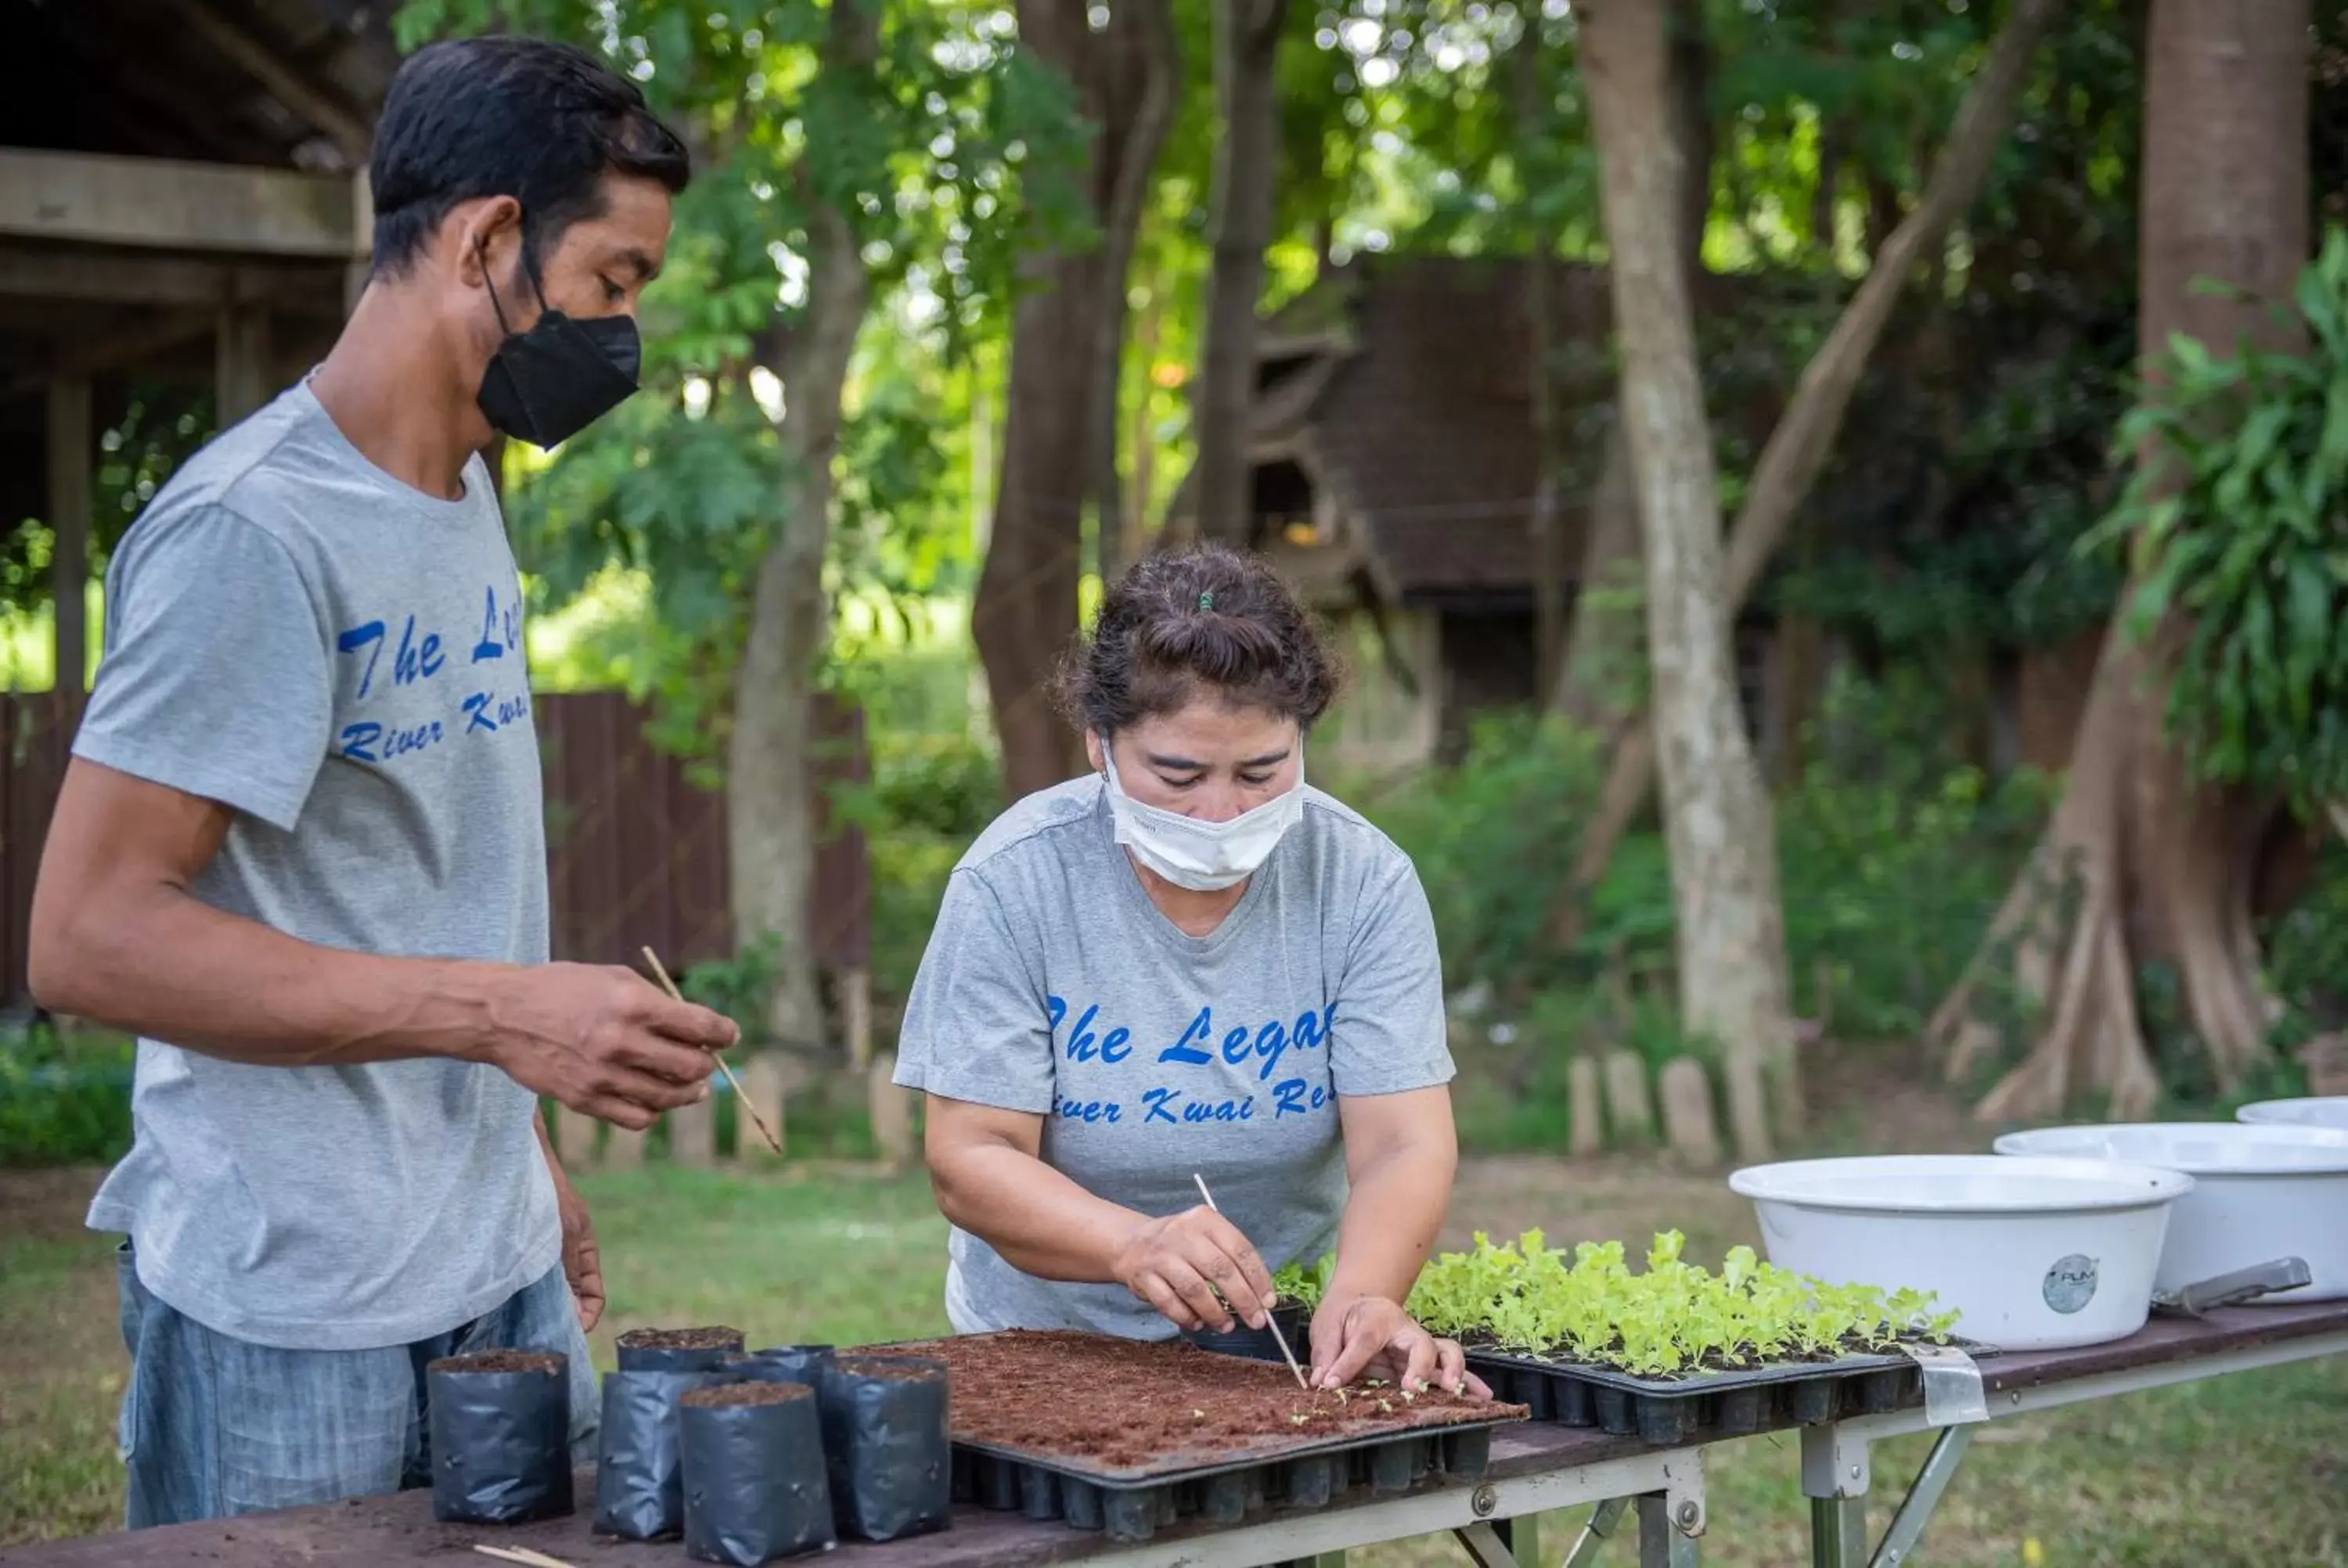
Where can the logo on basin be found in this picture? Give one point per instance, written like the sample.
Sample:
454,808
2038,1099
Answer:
2070,1284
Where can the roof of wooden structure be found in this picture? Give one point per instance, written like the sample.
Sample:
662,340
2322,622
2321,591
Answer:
182,208
163,159
1393,437
285,83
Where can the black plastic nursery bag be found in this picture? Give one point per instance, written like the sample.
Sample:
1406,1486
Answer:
781,1363
755,1487
884,1430
677,1350
500,1436
639,1472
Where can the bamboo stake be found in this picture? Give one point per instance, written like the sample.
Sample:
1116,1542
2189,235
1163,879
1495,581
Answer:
522,1554
743,1099
1270,1321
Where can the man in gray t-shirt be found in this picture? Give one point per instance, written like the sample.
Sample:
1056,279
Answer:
301,853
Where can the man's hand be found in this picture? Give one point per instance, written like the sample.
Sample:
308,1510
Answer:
603,1040
1368,1335
580,1265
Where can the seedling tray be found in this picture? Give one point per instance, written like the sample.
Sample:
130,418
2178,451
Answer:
1130,1494
1706,1405
1130,1505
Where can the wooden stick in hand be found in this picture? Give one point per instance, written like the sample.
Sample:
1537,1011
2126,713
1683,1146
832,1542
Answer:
741,1098
1268,1320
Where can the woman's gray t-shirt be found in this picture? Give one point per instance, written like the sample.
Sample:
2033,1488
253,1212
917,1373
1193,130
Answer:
1053,985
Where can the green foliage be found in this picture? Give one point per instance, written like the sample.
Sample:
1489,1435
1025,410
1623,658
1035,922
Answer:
1489,837
159,430
1671,1320
1892,852
2307,952
64,1099
738,987
1302,1284
949,152
1893,855
2231,527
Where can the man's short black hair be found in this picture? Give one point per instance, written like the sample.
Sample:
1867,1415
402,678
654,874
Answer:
538,121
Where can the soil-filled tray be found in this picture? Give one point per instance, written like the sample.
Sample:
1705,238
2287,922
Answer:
1125,1436
1701,1406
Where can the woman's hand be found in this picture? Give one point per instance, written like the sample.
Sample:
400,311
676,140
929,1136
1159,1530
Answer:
1369,1335
1178,1263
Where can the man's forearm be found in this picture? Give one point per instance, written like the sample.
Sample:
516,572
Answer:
172,967
1391,1219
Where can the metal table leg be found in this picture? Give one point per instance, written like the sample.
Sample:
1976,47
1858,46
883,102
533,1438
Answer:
1835,1478
1668,1524
1924,1495
1664,1542
1484,1544
1835,1475
1597,1532
1838,1533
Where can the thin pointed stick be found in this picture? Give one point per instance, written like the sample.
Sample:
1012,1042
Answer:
741,1098
522,1554
1270,1321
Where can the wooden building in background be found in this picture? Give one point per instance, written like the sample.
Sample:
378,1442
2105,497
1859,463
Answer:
183,201
1395,464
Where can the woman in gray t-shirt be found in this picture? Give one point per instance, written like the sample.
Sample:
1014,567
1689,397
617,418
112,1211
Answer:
1189,962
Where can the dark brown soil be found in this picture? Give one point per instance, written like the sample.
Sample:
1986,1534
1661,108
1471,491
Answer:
499,1361
1122,1404
744,1394
681,1339
902,1369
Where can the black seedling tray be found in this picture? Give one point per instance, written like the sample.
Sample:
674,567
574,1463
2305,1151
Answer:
1707,1405
1130,1504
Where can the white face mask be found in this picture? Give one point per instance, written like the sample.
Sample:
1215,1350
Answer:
1204,856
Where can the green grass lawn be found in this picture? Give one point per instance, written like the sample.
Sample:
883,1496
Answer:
2250,1469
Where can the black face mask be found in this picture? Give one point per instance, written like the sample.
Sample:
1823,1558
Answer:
547,384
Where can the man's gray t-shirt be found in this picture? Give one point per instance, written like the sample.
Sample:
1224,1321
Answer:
338,658
1053,985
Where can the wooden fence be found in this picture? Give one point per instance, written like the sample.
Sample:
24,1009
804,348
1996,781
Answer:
636,851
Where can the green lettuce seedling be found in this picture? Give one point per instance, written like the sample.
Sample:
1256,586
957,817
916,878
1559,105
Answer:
1674,1319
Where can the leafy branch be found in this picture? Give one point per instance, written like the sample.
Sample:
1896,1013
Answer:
2230,523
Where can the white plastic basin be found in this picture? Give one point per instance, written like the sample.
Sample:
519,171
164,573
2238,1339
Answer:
2323,1110
2030,1254
2261,1190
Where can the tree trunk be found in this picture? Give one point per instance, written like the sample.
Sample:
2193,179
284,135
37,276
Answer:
1731,935
2164,870
1146,59
1142,478
770,804
1599,686
1550,578
1246,170
1059,433
2051,691
1804,434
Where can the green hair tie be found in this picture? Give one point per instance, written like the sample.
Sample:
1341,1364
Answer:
1207,600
